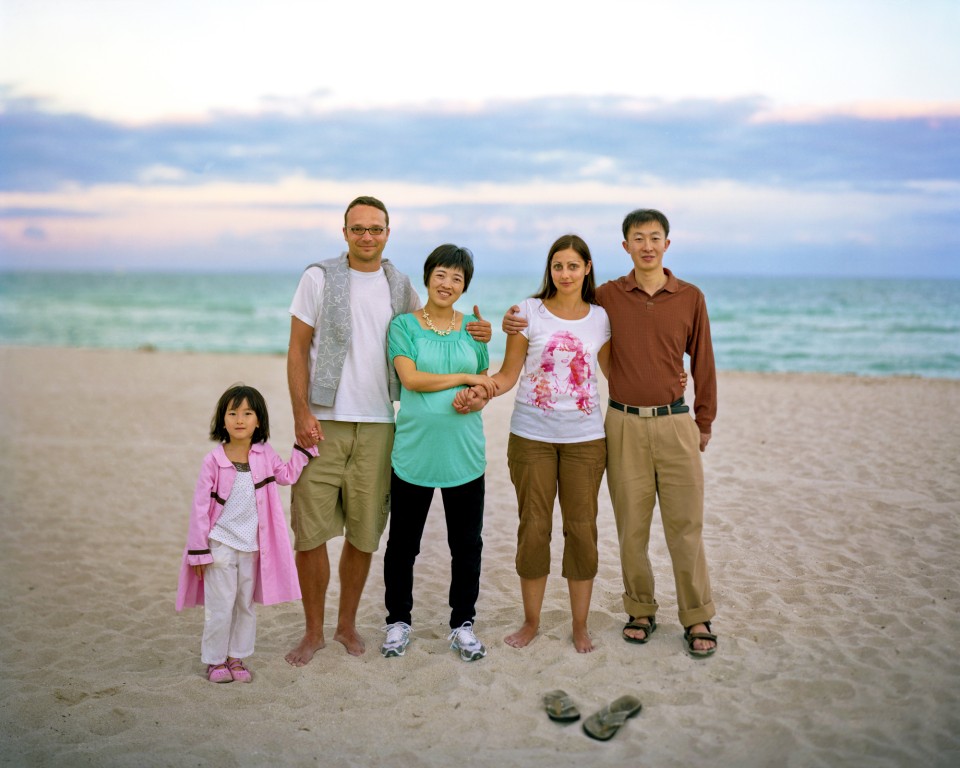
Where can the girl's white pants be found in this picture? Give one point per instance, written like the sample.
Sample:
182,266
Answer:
230,622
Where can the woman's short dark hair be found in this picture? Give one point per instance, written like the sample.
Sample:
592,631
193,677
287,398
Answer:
451,256
233,398
588,291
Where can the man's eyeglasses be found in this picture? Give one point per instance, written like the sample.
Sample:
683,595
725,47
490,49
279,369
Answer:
359,231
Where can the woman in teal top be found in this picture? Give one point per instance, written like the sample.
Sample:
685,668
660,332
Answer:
437,447
456,445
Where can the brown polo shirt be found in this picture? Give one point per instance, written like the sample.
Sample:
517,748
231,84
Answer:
649,336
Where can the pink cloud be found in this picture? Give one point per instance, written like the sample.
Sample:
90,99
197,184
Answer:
867,110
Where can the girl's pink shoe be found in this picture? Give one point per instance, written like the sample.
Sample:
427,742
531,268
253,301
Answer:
219,673
239,672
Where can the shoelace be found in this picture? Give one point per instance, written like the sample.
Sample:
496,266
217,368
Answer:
464,636
395,635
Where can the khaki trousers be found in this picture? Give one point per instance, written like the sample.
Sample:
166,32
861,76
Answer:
649,460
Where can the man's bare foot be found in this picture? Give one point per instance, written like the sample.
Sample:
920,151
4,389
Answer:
705,644
303,652
523,636
351,640
582,641
639,630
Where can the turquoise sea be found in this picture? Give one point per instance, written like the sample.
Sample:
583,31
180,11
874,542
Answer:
871,327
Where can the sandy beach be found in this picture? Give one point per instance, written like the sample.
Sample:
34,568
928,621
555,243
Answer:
832,532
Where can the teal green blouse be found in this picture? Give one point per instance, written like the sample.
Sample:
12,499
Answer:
435,446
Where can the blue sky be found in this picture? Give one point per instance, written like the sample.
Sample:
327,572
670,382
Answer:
780,138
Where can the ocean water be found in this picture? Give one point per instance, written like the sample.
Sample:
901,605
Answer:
871,327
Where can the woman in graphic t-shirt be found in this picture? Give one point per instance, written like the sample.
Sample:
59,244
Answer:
556,440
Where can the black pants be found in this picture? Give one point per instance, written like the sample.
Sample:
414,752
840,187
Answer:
463,509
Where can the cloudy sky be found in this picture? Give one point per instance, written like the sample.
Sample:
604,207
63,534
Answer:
814,137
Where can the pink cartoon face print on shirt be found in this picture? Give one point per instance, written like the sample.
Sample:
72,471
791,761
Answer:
564,372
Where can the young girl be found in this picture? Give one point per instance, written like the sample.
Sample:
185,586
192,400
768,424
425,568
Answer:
238,549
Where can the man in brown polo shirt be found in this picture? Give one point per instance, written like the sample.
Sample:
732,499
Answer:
653,446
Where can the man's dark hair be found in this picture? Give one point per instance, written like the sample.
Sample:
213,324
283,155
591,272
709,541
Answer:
643,216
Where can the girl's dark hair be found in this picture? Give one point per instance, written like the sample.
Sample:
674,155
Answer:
576,243
452,256
232,398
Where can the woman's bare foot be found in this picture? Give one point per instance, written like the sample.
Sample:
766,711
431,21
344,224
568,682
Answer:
523,636
304,650
351,640
582,640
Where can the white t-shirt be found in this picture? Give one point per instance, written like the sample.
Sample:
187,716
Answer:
557,399
363,394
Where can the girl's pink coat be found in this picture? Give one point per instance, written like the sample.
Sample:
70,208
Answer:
277,571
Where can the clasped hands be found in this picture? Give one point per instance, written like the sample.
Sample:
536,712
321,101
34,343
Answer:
476,394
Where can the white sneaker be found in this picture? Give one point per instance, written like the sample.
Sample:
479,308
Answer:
398,638
466,642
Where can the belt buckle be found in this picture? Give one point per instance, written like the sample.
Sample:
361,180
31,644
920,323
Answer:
645,411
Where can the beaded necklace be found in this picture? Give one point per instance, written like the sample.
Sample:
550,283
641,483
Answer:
432,327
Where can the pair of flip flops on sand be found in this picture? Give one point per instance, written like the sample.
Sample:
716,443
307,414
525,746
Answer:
601,725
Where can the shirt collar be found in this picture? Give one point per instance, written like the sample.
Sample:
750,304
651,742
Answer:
221,455
672,285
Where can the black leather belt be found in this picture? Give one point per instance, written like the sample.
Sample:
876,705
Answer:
653,410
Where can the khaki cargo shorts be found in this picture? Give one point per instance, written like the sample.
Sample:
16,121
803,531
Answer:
345,491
